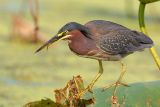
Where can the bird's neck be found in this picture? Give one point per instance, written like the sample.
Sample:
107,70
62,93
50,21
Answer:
80,44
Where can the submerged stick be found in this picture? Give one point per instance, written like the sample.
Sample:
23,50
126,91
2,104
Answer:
34,9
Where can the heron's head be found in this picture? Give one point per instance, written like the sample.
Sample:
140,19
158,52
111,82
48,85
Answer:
65,33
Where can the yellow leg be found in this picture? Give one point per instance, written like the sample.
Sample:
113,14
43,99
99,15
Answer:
120,78
90,86
118,81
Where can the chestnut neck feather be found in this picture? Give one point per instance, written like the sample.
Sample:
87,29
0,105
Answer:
79,43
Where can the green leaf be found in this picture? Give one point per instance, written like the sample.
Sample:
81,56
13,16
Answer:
137,95
43,103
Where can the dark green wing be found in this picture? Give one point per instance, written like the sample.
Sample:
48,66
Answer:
122,42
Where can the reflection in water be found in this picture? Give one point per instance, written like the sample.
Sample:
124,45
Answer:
10,6
11,81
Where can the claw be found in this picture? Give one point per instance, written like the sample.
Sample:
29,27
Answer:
115,84
124,84
88,89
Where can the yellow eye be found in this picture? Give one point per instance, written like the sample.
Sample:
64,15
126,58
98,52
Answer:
66,31
63,33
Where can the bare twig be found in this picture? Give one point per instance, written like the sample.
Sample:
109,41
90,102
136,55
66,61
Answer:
34,9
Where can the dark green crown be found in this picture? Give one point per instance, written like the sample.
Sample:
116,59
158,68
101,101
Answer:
75,26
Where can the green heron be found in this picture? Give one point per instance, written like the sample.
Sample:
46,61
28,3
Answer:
103,41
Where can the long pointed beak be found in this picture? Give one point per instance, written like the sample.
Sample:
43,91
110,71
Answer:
49,42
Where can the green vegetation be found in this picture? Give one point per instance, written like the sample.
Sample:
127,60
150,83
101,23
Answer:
143,29
138,95
25,76
148,1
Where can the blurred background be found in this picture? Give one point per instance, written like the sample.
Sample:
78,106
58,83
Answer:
25,76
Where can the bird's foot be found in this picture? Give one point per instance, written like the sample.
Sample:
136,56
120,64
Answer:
87,89
115,85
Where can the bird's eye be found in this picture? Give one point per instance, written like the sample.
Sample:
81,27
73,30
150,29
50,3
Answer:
66,31
63,33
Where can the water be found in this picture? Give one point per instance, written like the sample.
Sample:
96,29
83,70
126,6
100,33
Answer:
12,81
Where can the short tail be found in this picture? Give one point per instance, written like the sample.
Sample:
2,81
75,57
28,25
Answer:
145,41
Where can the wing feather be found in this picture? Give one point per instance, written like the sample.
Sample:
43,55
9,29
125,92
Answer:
119,42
